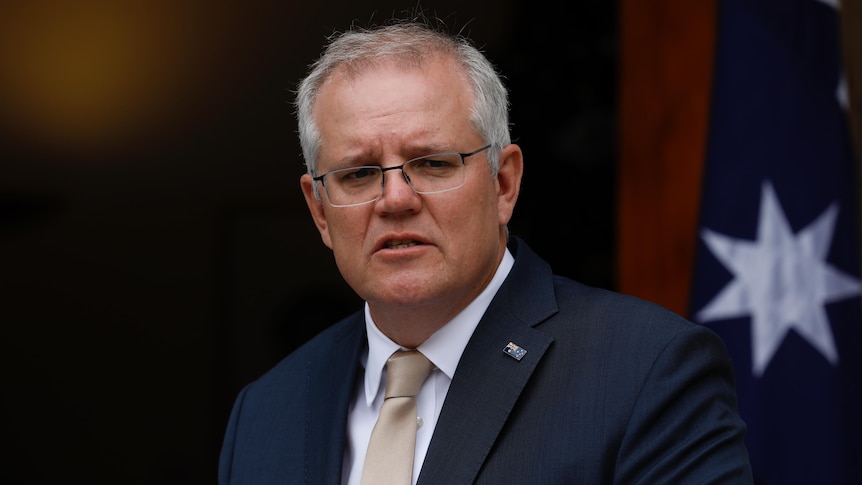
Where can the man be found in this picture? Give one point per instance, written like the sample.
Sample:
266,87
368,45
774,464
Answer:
411,181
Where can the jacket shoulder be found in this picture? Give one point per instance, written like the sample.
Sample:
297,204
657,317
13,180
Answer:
343,337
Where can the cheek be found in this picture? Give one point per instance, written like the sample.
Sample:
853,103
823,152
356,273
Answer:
346,230
346,248
475,217
485,203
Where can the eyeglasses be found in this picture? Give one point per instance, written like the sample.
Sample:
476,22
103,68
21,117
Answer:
431,174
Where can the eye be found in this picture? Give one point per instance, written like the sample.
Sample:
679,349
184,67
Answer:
352,175
435,164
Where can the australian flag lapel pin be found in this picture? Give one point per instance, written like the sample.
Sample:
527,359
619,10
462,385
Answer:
514,351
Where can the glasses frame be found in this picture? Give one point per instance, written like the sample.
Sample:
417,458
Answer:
322,178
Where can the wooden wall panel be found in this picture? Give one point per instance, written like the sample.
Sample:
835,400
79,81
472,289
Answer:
666,60
851,36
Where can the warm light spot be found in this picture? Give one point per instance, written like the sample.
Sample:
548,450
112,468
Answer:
83,75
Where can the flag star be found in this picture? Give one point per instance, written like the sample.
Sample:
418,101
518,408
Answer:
781,280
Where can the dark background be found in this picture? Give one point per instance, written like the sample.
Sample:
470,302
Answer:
155,250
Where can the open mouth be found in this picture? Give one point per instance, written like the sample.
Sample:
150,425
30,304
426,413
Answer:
400,244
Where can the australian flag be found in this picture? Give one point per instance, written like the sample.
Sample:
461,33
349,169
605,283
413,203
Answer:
778,259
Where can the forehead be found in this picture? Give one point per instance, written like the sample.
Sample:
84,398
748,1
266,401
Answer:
392,99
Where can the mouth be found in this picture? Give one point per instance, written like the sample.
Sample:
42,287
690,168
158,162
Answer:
400,243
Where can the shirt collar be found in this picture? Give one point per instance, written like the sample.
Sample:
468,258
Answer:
444,347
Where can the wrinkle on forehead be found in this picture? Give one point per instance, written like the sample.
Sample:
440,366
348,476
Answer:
385,113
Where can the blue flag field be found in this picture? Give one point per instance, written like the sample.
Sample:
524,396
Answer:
777,271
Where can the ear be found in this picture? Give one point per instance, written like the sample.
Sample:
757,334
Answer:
509,181
315,206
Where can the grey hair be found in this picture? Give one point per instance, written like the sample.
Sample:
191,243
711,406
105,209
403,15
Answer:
411,43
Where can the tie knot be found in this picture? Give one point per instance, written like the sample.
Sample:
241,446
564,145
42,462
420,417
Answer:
406,370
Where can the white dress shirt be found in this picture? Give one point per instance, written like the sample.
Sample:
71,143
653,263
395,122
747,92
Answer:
443,348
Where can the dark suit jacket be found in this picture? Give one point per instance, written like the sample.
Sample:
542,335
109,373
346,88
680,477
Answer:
612,389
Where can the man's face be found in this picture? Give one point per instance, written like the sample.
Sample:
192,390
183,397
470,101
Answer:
433,252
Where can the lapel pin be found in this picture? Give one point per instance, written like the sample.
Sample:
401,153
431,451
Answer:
514,351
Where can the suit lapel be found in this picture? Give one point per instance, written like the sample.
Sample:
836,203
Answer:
488,382
329,388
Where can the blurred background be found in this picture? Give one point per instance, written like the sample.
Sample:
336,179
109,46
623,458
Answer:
156,253
155,250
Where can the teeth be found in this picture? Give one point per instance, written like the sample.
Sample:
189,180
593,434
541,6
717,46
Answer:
400,244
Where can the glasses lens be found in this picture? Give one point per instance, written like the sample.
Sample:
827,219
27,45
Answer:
426,175
353,186
435,173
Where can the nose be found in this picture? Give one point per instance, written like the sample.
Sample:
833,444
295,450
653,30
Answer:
397,194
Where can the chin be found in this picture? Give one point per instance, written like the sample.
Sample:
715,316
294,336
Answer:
407,292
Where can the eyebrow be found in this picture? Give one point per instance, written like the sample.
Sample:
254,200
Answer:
358,160
424,150
367,158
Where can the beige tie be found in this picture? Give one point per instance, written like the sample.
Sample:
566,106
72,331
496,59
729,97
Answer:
389,459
